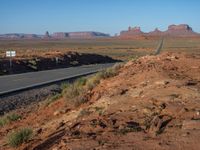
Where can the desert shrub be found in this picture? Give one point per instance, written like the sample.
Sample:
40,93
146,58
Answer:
78,82
81,81
75,92
64,86
118,66
9,118
20,136
99,110
80,100
53,99
133,58
110,72
104,74
93,81
84,112
3,121
13,117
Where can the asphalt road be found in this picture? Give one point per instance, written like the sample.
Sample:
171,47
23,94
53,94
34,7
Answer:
12,83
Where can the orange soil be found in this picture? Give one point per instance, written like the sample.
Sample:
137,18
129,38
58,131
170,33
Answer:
154,103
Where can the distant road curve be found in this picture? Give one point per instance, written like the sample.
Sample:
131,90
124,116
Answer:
13,83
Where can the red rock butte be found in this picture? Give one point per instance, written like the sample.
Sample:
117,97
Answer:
182,30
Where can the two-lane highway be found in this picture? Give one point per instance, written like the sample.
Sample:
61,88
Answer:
12,83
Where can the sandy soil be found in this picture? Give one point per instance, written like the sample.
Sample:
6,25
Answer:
154,103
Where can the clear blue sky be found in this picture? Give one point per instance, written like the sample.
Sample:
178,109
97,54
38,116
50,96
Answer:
109,16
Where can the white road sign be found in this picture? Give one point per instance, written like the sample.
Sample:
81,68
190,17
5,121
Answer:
10,53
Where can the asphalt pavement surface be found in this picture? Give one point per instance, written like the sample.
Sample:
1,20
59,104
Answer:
12,83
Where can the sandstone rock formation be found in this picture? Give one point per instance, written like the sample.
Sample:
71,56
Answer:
136,31
182,30
19,36
156,32
78,35
59,35
56,35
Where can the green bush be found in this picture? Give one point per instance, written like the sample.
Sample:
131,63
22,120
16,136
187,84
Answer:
53,99
9,118
64,85
110,72
81,81
13,117
18,137
74,93
93,81
3,121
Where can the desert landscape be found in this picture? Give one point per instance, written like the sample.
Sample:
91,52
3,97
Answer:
86,113
31,53
78,76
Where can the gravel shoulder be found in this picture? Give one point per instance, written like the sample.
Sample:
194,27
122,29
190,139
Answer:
21,99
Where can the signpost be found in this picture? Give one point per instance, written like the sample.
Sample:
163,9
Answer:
10,54
56,60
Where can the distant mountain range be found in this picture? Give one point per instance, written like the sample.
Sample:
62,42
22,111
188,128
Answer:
57,35
182,30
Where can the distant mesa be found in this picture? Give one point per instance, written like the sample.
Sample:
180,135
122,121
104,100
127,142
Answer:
78,35
19,36
136,31
182,30
59,35
156,32
56,35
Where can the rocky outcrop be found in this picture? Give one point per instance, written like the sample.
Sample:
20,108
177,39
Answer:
182,30
156,32
136,31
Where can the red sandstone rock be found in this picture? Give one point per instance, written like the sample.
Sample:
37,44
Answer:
182,30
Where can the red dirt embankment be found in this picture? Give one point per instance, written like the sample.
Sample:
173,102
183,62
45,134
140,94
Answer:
153,103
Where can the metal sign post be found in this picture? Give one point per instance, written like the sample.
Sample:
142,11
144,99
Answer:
56,60
10,54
